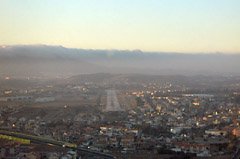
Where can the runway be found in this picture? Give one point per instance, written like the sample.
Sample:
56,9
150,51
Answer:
112,102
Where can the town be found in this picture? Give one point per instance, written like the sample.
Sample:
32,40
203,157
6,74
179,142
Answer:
125,116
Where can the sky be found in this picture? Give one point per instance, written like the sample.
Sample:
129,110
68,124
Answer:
150,25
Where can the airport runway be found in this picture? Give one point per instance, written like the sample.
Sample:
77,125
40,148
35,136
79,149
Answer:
112,101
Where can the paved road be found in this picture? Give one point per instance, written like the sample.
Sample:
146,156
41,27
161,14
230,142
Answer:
38,139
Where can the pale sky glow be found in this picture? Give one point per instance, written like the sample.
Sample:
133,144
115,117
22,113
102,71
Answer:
149,25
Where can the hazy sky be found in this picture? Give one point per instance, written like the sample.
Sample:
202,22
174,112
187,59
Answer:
150,25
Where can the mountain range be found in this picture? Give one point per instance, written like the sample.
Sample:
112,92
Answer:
52,61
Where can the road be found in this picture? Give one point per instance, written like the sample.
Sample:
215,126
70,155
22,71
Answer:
42,140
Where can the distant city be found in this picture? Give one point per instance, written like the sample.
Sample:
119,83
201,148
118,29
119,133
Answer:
107,115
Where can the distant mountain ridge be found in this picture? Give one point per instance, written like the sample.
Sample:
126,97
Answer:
36,60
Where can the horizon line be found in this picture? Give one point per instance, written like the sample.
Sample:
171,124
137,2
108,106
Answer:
2,46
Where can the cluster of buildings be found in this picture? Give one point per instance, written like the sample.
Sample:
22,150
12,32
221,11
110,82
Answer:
147,118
